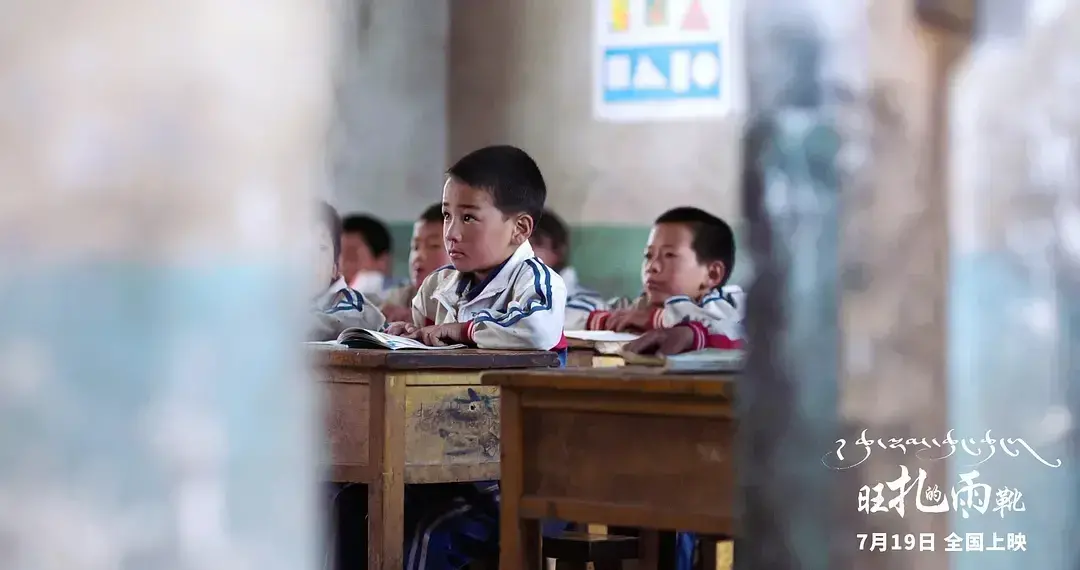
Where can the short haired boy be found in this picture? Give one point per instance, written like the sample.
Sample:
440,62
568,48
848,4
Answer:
336,307
496,293
688,259
366,253
426,254
551,243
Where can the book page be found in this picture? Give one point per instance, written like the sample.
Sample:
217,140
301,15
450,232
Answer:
601,336
399,342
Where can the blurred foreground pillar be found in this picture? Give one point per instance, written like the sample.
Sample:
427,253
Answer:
156,164
846,193
1014,346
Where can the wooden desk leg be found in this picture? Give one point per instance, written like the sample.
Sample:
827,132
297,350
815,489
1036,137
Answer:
386,494
520,539
656,549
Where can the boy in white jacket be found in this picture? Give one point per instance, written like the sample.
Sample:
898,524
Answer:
337,307
688,259
496,293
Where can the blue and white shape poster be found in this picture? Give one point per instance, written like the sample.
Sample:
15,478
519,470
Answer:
663,60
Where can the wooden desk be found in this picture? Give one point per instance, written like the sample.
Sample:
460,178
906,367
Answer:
405,417
580,353
626,447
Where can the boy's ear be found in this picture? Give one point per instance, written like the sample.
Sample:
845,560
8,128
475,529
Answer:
523,229
715,273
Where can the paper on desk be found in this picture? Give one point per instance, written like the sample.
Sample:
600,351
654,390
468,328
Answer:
601,336
329,344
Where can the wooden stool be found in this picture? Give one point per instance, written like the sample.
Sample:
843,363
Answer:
575,550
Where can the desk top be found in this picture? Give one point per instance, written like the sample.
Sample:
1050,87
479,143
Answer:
623,379
458,359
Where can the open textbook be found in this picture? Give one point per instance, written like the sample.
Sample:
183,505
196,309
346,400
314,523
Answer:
364,338
708,360
603,342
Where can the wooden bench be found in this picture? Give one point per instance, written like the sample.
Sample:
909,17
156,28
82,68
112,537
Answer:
621,446
409,417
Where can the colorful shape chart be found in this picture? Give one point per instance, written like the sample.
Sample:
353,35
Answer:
656,13
695,19
662,73
620,15
671,59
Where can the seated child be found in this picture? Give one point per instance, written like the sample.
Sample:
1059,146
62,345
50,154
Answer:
687,337
367,255
496,294
551,242
336,307
425,256
688,258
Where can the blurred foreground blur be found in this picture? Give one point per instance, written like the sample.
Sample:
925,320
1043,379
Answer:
911,190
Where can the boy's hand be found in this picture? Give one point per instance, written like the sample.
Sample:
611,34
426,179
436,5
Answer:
401,329
626,320
675,340
442,335
395,313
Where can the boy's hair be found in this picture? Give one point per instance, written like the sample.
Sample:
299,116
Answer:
509,174
713,238
372,230
551,227
328,216
433,213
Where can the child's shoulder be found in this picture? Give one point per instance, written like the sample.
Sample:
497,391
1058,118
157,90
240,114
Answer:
533,272
438,277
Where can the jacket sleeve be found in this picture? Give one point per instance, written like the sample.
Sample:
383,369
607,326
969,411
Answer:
722,305
722,334
596,318
349,310
423,303
532,320
579,307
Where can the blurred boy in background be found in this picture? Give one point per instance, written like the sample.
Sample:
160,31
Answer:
426,254
366,254
688,260
336,306
551,243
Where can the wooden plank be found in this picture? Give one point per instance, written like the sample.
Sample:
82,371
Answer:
451,425
347,416
464,359
519,539
586,357
621,380
620,514
684,405
386,495
672,464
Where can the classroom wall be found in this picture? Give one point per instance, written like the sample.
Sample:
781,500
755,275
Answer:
389,141
520,73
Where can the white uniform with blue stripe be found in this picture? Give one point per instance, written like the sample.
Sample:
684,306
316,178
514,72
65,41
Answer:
521,305
339,308
725,305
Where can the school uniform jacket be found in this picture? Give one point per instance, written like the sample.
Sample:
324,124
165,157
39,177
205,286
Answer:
339,308
401,296
521,305
718,313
